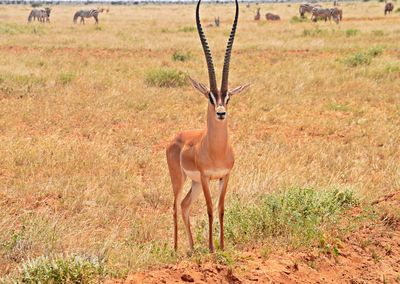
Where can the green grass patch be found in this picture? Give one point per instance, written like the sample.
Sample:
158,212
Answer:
15,29
314,32
66,78
297,215
165,78
181,56
187,29
357,59
338,107
60,269
297,19
375,51
351,32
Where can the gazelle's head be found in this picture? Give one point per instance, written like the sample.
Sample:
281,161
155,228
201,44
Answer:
217,98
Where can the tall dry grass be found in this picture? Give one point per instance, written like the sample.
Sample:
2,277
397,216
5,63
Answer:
82,133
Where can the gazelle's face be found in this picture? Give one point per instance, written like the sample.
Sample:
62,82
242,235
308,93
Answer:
219,102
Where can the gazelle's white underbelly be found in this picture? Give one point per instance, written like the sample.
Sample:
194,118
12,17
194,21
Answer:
212,174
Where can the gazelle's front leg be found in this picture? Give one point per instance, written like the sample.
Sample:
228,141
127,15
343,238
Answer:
205,183
223,184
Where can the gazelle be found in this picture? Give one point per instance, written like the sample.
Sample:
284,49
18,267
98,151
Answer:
204,155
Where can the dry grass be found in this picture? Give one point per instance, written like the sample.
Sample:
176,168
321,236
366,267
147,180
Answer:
82,163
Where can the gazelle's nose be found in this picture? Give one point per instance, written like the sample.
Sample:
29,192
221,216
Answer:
221,112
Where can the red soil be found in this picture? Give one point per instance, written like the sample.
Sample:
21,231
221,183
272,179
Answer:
370,255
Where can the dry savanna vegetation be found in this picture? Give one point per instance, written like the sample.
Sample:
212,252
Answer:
86,113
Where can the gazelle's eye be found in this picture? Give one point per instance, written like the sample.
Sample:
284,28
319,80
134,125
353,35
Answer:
227,98
212,99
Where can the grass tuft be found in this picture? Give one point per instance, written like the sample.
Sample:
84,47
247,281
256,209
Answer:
181,56
298,214
351,32
358,59
166,78
314,32
187,29
60,269
297,19
66,78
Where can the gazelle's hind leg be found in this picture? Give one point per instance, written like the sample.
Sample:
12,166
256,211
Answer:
177,180
192,195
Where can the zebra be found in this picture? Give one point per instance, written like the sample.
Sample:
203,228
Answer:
337,14
42,15
88,14
388,8
307,7
257,16
272,17
325,14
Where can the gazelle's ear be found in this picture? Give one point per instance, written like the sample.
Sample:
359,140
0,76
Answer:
200,87
239,89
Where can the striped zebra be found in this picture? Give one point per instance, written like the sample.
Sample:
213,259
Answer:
337,14
88,14
388,8
307,8
320,13
272,17
42,15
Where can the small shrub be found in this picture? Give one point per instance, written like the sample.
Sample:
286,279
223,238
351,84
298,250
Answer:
66,78
187,29
298,214
392,68
397,10
166,78
352,32
36,5
375,51
60,269
358,59
297,19
378,33
180,56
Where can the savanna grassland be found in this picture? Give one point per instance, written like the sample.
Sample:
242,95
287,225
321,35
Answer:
86,113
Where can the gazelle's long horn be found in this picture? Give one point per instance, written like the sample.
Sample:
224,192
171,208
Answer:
225,71
207,52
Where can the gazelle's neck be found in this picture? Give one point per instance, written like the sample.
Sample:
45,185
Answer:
217,134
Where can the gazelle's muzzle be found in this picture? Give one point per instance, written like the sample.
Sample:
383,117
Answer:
221,112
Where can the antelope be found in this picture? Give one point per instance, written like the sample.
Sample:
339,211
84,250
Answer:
258,15
388,8
204,155
272,17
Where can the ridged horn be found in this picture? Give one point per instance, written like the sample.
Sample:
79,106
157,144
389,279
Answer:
207,52
227,59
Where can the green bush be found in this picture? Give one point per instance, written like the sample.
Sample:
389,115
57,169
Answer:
297,214
181,56
165,78
358,59
375,51
60,269
352,32
297,19
397,10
